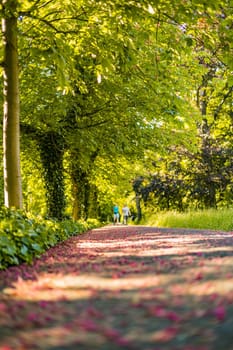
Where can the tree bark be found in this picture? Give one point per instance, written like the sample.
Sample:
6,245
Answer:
11,132
138,206
51,146
206,142
80,190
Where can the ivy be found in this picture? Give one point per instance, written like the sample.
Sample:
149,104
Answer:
51,150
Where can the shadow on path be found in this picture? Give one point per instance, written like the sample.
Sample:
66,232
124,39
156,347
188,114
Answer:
123,287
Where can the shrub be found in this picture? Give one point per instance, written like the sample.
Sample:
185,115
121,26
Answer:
24,237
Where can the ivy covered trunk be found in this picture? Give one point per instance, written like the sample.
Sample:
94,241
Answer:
11,133
52,150
81,193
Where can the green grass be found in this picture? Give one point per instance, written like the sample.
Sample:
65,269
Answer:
212,219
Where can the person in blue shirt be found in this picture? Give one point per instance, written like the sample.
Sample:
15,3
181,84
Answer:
116,214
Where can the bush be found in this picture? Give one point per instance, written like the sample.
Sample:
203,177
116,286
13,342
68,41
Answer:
24,237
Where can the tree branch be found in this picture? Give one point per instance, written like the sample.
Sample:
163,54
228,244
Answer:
218,109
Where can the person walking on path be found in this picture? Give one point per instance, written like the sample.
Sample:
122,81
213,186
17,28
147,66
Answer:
116,214
125,214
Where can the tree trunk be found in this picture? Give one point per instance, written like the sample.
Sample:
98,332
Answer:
11,133
76,212
206,143
51,152
81,192
93,208
137,186
138,206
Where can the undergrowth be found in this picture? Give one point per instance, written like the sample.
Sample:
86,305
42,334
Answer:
24,237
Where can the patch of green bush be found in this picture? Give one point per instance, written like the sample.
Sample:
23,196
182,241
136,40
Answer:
24,237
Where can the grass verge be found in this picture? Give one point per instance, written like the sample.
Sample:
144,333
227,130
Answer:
212,219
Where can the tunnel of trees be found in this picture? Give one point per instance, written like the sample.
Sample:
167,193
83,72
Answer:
105,101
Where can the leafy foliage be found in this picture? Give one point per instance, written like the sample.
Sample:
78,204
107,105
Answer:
116,80
184,179
23,237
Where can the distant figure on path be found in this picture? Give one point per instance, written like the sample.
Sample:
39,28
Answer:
116,214
125,214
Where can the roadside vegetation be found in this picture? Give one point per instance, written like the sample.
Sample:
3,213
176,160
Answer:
211,219
24,237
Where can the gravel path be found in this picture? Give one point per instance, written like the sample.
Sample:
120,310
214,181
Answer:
123,287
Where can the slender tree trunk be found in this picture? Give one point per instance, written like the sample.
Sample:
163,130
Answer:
11,133
137,186
76,212
138,206
80,193
206,143
93,208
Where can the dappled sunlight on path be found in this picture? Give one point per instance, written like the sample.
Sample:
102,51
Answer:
123,287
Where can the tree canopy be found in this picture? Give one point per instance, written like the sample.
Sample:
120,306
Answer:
108,89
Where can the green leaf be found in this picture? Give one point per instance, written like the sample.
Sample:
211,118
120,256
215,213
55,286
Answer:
24,250
37,247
